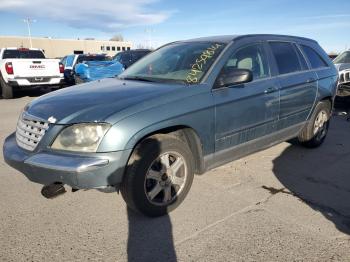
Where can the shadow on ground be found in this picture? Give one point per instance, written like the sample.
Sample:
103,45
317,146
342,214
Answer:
31,92
150,239
321,177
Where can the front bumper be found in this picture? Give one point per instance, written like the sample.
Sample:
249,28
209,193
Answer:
78,171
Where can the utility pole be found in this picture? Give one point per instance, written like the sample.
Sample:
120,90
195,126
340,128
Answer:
149,31
29,21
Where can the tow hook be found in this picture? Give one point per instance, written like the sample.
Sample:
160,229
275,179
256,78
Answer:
53,190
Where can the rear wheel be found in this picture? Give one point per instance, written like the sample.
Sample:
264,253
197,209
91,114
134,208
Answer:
6,89
159,175
315,131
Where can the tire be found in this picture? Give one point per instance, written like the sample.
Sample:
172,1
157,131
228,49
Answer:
6,89
77,80
151,172
315,131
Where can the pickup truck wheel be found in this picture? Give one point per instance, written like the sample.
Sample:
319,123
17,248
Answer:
159,175
6,90
315,131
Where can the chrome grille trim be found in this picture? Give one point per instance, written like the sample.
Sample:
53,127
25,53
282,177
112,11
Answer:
30,130
344,76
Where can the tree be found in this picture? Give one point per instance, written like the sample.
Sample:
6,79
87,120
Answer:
118,37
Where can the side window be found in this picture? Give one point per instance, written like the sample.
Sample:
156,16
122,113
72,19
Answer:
69,61
315,59
286,57
63,61
250,57
302,60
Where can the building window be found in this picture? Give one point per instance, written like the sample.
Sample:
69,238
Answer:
108,48
102,48
128,48
113,48
118,48
123,48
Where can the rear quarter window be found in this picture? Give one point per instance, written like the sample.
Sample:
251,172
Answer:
286,57
316,61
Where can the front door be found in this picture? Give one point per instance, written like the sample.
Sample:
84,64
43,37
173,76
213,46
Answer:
248,111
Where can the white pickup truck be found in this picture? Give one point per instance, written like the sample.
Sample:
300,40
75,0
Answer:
22,68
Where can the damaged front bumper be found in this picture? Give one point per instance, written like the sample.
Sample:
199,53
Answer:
97,170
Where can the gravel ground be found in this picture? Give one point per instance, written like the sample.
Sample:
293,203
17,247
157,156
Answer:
286,203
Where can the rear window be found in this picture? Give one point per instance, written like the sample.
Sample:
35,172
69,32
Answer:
23,54
315,59
286,57
92,58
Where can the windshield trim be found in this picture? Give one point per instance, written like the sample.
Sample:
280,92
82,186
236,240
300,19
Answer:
217,60
177,81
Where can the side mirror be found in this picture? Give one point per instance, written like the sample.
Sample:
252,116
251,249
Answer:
233,77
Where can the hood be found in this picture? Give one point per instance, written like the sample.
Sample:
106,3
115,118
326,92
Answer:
96,101
341,67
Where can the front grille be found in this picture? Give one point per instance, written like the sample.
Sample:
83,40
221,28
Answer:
30,131
344,77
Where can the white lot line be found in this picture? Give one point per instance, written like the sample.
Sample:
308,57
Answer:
243,210
255,207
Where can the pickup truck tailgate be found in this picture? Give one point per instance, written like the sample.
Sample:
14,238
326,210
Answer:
35,67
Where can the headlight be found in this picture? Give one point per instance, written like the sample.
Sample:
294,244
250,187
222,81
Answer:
81,137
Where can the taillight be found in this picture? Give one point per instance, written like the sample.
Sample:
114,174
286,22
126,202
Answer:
61,68
9,68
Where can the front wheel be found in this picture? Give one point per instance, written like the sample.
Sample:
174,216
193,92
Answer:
159,175
315,131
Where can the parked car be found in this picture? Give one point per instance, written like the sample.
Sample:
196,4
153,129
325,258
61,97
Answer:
90,71
332,56
127,58
342,63
71,61
186,108
24,68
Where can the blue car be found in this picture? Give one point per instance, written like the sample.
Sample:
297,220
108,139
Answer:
91,71
71,61
185,108
94,70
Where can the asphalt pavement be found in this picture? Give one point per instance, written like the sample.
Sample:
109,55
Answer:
286,203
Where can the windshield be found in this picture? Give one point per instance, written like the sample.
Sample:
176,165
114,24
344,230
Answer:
343,58
23,54
185,62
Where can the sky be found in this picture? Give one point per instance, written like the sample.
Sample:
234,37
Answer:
157,22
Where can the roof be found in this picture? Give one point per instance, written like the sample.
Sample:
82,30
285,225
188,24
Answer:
230,38
23,48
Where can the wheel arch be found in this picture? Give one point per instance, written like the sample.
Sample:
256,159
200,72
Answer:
186,134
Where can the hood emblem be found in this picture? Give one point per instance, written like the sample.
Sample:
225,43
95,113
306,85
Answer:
52,120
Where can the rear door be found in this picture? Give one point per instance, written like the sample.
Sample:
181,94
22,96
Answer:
298,85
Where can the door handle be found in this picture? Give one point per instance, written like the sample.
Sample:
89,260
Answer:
270,90
310,80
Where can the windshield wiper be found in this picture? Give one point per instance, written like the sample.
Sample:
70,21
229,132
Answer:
137,78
